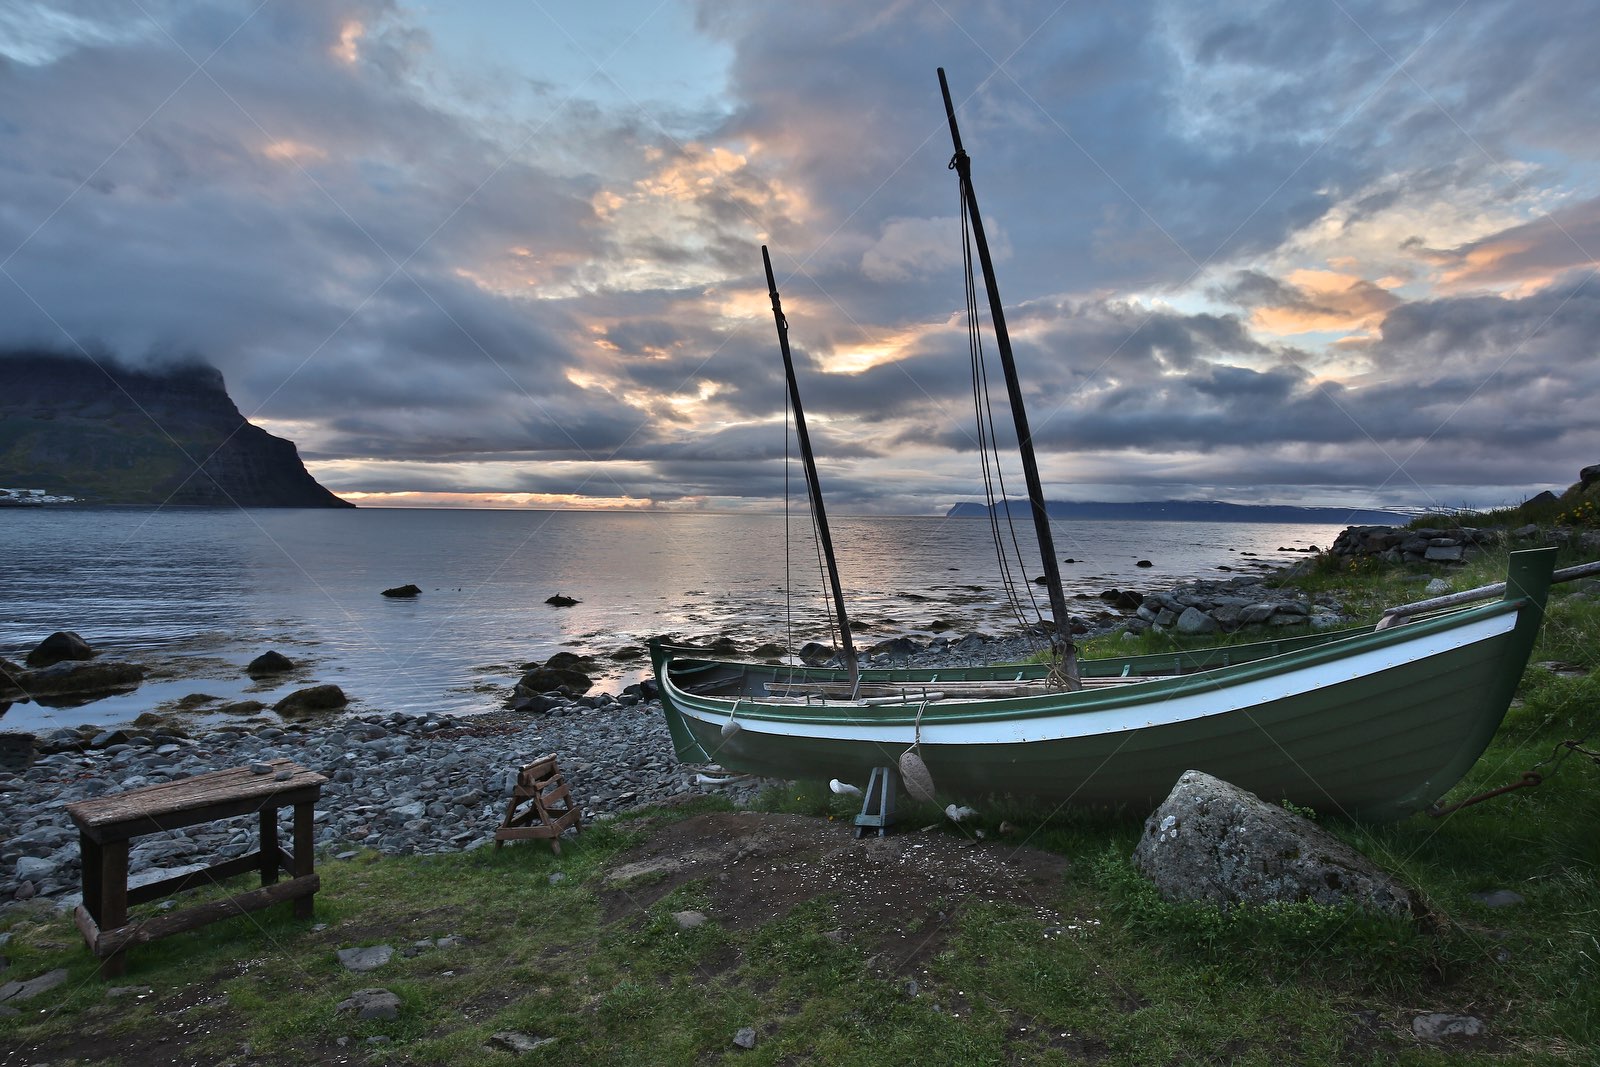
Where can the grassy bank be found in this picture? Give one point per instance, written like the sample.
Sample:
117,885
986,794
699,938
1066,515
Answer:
908,963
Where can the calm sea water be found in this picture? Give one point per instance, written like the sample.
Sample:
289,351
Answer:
195,594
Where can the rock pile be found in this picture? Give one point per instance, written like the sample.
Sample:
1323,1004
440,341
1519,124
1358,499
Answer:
398,784
1403,544
1241,603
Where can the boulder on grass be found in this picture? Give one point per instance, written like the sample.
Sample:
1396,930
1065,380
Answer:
318,698
61,645
1212,841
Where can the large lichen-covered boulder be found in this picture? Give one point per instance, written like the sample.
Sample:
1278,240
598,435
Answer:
1212,841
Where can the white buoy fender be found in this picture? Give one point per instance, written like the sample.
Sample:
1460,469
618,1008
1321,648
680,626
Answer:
914,774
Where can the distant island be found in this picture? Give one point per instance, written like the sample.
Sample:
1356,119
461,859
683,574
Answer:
1186,511
103,433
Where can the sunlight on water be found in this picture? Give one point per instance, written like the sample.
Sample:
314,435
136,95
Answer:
195,594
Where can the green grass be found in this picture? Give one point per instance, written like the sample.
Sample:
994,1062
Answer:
1123,979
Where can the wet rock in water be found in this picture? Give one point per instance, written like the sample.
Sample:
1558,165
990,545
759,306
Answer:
242,707
564,661
815,654
59,646
1144,563
549,679
627,652
939,626
310,701
1123,599
402,592
1041,580
10,673
724,646
1212,841
269,663
76,676
770,650
560,600
895,648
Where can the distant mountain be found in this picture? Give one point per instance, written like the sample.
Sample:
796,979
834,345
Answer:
1188,511
108,434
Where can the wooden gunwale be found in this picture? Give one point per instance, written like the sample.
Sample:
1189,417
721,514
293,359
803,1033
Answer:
1087,700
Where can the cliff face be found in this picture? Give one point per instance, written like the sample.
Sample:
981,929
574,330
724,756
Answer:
110,435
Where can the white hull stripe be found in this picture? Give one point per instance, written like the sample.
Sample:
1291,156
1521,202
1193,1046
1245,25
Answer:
1172,709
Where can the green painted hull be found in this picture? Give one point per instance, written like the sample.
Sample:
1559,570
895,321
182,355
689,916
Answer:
1371,724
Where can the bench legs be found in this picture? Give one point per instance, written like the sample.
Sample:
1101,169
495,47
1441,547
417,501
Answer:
304,854
105,892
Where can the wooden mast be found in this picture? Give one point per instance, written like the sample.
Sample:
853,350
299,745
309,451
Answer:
824,538
1062,639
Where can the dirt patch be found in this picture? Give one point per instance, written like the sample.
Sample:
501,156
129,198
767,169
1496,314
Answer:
893,896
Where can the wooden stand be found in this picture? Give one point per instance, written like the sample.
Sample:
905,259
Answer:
877,806
549,809
106,825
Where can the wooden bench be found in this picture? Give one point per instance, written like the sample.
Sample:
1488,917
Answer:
107,824
549,809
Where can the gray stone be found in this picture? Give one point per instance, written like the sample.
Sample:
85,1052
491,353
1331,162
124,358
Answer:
361,960
1437,587
1444,554
746,1037
1438,1026
1498,898
1213,841
517,1043
688,920
371,1004
1195,621
34,869
12,992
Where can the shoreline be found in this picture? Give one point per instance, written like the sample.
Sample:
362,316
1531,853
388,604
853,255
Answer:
398,783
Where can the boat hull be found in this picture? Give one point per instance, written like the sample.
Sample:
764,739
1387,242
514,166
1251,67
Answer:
1369,724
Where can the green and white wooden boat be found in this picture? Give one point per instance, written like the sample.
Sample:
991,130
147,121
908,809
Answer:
1368,722
1375,722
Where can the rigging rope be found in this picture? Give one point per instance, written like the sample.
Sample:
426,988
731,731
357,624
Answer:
988,442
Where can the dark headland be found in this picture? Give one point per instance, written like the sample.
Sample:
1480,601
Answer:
1187,511
109,434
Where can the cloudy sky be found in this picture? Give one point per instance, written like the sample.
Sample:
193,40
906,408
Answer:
507,252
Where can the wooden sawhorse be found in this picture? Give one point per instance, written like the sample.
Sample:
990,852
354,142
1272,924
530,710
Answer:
549,810
106,825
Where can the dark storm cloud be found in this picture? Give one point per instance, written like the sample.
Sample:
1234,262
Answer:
294,219
402,276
